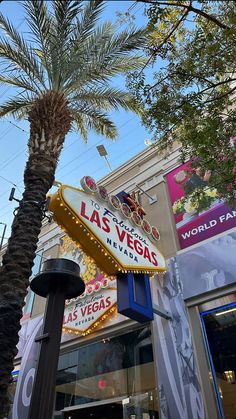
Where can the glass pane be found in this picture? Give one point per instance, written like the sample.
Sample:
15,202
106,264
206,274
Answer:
220,328
142,406
116,367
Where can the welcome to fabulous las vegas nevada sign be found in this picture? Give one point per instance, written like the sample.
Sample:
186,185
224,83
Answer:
117,238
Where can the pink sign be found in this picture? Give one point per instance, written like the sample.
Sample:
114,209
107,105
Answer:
198,211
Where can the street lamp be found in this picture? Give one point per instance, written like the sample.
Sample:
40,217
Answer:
103,153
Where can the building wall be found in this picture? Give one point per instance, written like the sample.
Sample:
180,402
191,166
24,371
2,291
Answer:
146,173
179,383
146,170
179,387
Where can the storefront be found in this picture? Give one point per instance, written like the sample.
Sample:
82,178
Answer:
210,296
109,377
110,374
206,270
180,367
106,366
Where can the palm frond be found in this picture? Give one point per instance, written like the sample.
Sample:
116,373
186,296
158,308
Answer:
105,55
80,124
94,120
100,73
85,25
114,55
42,29
130,40
65,13
106,98
16,107
80,63
19,81
19,53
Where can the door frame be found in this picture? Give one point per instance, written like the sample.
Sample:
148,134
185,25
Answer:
203,364
202,314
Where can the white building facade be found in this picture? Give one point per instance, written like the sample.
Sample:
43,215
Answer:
172,368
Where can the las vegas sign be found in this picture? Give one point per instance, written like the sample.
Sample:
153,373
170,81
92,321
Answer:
106,229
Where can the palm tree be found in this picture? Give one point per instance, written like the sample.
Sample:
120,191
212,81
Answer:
63,77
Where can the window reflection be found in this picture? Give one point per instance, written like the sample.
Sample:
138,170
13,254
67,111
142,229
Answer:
121,366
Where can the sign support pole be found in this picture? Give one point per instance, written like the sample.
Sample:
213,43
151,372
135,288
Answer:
59,280
43,395
161,312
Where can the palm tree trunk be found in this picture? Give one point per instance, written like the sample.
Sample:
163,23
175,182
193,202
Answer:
49,123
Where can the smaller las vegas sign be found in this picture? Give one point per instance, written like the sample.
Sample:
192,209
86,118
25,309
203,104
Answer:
90,309
105,233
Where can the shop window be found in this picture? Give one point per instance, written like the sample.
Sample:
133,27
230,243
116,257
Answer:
219,327
119,367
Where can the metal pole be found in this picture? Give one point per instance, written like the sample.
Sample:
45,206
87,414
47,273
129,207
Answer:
42,399
145,193
108,164
161,312
58,281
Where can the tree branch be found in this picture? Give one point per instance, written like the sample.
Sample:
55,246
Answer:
191,9
221,96
213,86
165,39
209,17
196,94
200,77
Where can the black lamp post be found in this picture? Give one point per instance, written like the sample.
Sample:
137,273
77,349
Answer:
58,281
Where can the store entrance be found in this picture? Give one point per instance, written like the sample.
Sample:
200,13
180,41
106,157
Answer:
112,378
105,411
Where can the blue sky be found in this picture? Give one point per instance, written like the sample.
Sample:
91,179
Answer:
77,159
